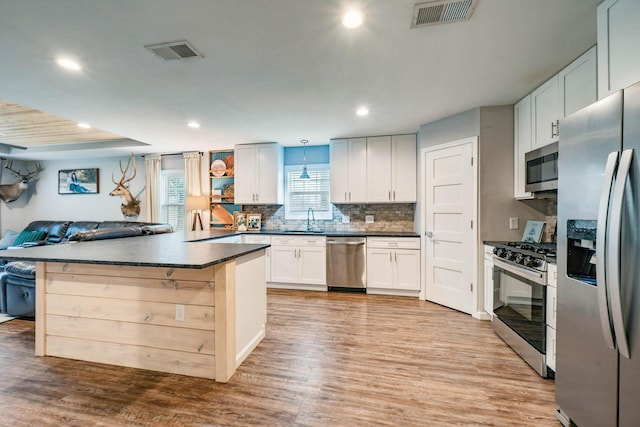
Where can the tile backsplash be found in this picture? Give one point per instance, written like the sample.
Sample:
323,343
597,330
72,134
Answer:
387,217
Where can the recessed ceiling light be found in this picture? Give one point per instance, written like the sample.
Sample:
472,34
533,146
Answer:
353,19
69,64
194,125
362,111
84,125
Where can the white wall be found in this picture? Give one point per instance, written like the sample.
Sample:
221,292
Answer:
42,201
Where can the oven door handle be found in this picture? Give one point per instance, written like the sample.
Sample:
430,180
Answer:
613,252
601,252
534,276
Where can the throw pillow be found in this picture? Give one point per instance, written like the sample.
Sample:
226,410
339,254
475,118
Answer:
29,236
9,239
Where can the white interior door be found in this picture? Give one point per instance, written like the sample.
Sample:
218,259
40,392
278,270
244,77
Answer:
449,210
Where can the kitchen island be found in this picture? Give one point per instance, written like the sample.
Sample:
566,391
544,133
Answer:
160,302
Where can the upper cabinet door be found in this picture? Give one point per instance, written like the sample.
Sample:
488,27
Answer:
546,112
618,41
522,144
358,170
245,174
339,153
379,169
577,83
269,184
403,168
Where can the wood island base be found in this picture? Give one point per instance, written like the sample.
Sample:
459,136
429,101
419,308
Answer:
196,322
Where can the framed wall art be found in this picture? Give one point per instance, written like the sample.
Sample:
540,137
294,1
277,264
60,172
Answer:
254,221
78,181
240,221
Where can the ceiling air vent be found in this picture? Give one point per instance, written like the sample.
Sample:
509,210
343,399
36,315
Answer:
441,12
174,50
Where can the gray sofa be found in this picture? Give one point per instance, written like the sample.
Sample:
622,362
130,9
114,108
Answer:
17,278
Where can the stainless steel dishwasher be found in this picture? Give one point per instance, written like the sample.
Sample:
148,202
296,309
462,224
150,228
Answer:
346,263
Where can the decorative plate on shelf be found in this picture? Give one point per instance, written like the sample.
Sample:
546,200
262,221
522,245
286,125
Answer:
218,168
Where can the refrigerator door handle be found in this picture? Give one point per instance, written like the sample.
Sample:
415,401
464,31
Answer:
613,252
601,274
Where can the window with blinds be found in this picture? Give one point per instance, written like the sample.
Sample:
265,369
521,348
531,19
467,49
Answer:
172,204
302,194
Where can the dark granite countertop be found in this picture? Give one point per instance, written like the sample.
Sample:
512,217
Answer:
189,249
213,234
172,250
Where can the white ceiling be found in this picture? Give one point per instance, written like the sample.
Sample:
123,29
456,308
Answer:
277,70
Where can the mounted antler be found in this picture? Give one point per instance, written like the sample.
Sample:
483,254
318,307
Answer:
11,192
130,206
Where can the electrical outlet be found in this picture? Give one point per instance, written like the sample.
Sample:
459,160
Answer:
180,312
368,219
346,219
513,224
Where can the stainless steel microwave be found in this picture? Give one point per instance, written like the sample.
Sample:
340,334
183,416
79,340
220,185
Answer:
542,168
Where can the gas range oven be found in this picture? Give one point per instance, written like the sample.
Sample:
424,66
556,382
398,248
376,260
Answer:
520,298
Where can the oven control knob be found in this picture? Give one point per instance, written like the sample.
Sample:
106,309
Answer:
519,258
511,255
528,261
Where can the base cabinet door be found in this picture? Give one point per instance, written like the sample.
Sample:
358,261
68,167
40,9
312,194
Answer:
406,269
284,264
379,268
311,262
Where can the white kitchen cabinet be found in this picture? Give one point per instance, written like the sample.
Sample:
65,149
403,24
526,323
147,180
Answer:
348,170
262,239
393,265
488,280
618,41
551,348
259,174
545,111
522,144
298,260
391,169
577,83
551,288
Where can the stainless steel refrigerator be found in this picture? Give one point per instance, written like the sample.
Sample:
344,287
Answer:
598,305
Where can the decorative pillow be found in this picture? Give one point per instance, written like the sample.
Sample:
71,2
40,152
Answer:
22,269
10,237
29,236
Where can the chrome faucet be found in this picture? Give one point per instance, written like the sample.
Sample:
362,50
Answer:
309,226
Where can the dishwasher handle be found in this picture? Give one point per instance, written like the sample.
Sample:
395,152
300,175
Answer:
335,242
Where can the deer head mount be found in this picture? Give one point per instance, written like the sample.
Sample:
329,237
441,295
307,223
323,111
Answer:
11,192
130,207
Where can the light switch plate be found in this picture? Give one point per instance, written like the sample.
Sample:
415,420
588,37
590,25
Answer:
513,224
180,312
346,219
368,219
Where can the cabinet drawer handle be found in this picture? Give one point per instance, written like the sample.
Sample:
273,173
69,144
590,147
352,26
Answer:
389,195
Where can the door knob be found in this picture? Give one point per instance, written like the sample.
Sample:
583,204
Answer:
429,234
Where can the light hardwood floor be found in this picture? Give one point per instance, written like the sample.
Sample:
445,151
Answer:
329,359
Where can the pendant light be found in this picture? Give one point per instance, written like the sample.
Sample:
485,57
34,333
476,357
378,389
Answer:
305,174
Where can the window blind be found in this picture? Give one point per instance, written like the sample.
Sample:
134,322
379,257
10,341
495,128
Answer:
172,206
302,194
